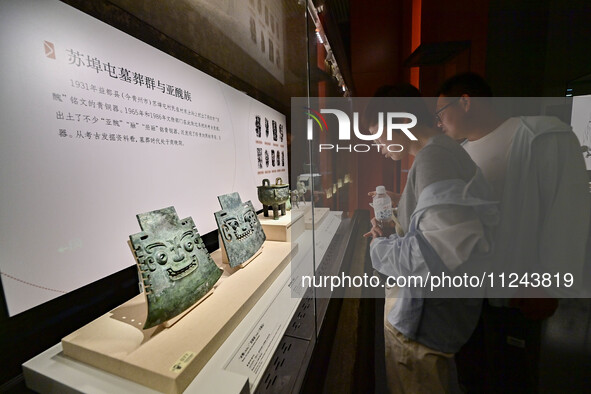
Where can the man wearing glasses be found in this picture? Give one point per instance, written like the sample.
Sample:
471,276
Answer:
536,170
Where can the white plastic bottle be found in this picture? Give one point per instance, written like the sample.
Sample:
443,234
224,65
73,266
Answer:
382,206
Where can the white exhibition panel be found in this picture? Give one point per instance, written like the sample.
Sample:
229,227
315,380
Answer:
98,127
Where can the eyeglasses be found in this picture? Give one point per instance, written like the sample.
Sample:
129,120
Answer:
440,110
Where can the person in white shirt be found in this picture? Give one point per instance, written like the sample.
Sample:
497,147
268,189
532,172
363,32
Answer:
536,169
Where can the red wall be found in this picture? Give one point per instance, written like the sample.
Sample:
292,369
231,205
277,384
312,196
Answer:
377,53
382,38
458,20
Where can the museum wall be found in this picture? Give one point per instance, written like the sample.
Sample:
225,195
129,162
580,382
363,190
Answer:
379,43
567,56
457,21
536,48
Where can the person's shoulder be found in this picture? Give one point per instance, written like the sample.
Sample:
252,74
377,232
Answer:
539,125
441,145
546,132
443,156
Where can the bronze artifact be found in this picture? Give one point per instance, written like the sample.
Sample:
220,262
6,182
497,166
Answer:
295,198
273,196
302,187
240,229
175,267
297,195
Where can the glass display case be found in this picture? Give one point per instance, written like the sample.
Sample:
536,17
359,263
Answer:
256,56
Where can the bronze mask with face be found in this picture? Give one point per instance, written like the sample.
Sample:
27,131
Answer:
174,264
240,229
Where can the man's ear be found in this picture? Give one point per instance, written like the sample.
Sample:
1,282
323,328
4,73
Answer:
465,102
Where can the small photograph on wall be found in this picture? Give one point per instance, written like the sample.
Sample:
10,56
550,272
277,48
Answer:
260,158
257,126
274,124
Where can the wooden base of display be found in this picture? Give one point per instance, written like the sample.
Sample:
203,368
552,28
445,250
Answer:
287,227
167,359
319,215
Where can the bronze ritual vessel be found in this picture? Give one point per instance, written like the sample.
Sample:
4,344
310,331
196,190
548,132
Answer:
273,196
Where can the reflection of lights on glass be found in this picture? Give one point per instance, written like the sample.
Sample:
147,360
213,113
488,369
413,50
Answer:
347,178
320,40
328,193
340,183
334,188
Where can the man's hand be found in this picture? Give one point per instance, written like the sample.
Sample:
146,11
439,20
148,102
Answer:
378,231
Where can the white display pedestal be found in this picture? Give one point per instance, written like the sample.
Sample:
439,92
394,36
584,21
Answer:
168,359
319,215
303,207
53,372
287,227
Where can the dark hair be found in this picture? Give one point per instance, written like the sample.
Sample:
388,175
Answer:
397,98
468,83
